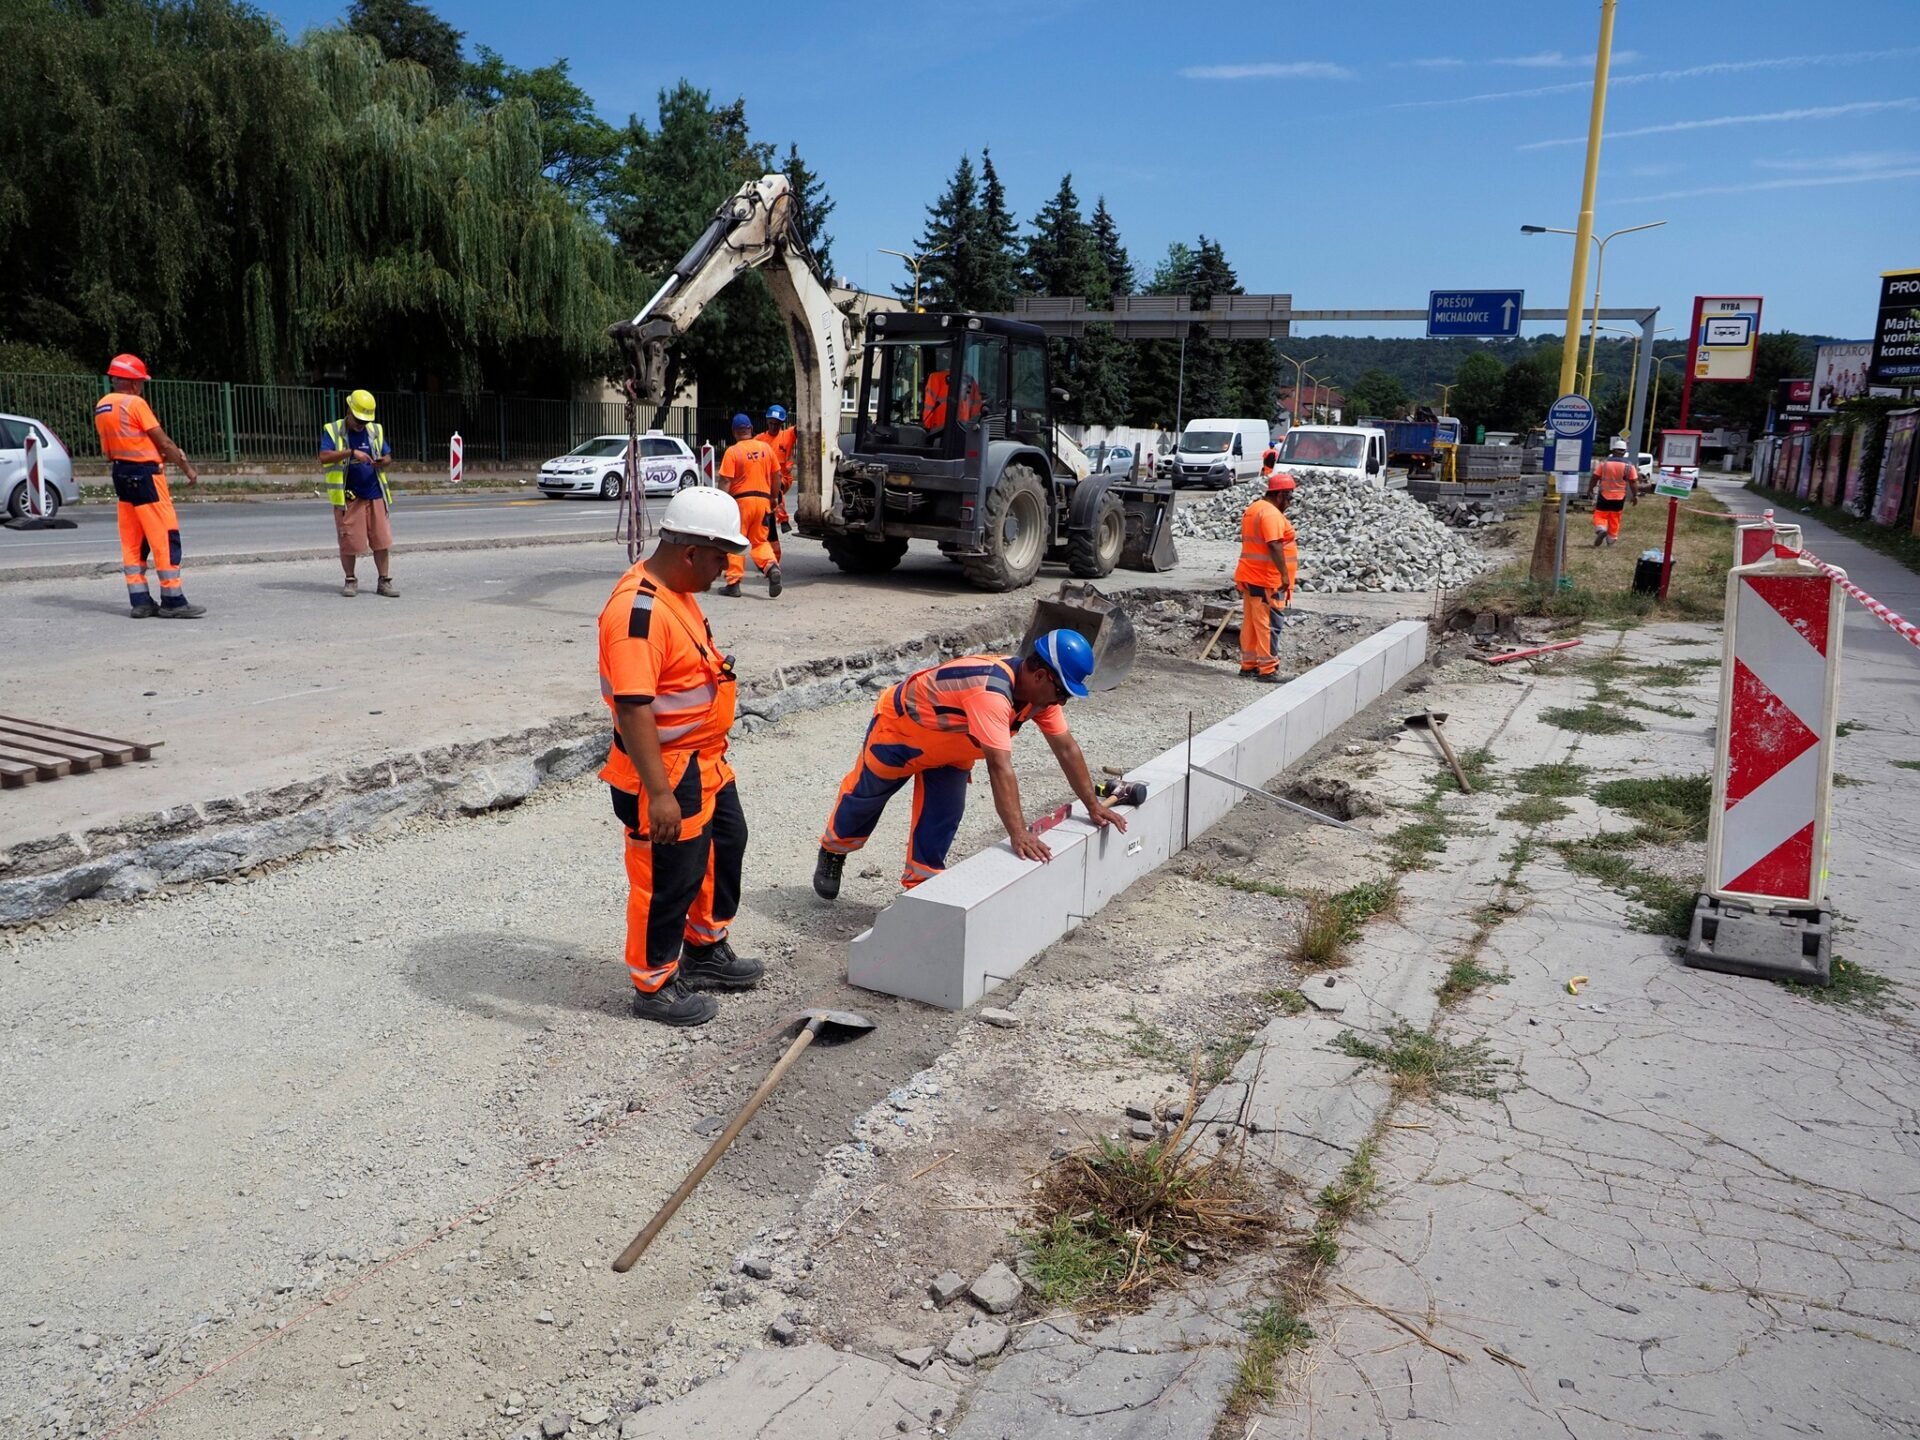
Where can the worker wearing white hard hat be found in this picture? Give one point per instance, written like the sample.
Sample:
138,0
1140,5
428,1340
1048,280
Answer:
671,691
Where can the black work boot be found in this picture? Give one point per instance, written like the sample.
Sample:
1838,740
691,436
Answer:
674,1004
773,582
732,588
826,874
716,967
144,609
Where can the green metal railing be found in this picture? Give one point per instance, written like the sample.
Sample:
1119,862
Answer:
213,420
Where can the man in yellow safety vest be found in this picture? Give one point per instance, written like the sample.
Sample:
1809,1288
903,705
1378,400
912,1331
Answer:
354,449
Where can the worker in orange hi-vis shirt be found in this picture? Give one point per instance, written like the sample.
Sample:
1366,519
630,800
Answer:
1269,560
1616,480
751,470
132,440
780,436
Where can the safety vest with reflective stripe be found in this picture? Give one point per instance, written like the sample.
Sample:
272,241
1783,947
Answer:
931,697
1611,478
337,439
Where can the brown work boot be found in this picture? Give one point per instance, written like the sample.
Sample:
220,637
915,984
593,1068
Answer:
350,587
674,1004
385,587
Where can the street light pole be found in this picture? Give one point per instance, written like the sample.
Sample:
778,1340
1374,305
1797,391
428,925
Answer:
1599,270
1299,368
1659,364
915,262
1445,391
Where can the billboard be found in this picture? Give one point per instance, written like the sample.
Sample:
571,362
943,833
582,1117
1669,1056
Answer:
1896,333
1795,394
1726,335
1840,373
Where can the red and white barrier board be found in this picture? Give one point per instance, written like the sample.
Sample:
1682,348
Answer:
456,458
1773,769
37,506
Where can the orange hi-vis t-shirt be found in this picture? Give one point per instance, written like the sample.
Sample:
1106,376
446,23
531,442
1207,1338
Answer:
972,696
751,469
657,648
782,446
123,421
1259,528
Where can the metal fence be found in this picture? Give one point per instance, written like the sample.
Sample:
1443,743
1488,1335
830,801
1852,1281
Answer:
214,420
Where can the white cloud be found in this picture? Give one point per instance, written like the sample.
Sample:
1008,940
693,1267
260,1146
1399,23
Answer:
1857,178
1271,70
1432,62
1691,72
1857,160
1558,60
1717,122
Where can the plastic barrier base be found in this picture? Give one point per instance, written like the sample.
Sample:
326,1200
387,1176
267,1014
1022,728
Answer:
1780,943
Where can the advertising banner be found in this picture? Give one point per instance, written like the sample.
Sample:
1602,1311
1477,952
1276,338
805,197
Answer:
1896,459
1850,495
1840,373
1896,333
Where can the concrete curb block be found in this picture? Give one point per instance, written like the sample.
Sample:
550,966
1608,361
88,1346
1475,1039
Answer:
954,938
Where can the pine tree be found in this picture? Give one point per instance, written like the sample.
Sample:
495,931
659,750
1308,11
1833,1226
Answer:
1000,237
1113,255
815,206
1060,256
951,240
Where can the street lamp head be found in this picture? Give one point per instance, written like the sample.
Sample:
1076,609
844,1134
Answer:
1533,229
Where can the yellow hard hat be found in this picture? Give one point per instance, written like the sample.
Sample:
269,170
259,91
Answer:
360,402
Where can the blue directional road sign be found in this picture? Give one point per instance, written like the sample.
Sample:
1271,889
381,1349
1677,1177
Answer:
1570,427
1474,312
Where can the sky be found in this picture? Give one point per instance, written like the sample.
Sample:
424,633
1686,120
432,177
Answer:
1355,155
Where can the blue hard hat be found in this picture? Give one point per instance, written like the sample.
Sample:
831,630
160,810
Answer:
776,412
740,420
1069,656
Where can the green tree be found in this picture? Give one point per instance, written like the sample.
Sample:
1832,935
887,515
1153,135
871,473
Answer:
578,149
1528,388
815,206
405,30
1780,355
1113,255
672,177
1000,240
1476,393
951,276
1060,259
1377,394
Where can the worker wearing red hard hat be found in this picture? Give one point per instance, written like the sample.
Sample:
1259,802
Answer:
1269,560
134,444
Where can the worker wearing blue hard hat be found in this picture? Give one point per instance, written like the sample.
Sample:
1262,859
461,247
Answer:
933,726
780,436
751,471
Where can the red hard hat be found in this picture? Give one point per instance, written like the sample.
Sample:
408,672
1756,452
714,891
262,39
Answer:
128,367
1279,480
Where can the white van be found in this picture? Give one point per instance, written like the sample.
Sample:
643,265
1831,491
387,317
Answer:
1356,453
1219,452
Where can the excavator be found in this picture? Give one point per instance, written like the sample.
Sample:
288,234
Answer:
953,437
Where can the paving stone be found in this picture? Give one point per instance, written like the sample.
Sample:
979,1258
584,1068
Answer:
783,1331
1000,1019
916,1358
947,1287
1138,1112
982,1340
1141,1130
556,1424
997,1290
1330,998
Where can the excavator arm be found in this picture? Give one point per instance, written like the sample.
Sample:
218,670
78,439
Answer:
756,229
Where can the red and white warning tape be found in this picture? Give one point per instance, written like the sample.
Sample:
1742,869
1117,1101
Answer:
1904,628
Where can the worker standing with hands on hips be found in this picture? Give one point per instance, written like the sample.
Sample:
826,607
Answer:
1616,480
132,440
751,469
1269,561
933,725
672,695
780,436
355,451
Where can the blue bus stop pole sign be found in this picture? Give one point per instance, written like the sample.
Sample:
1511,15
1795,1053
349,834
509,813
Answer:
1570,427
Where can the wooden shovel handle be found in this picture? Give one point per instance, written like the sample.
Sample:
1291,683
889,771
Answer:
707,1161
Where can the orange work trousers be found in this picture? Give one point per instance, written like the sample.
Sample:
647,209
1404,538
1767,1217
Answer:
150,528
1608,522
895,751
1260,611
780,507
756,523
686,893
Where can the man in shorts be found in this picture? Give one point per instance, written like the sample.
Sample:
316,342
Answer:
355,451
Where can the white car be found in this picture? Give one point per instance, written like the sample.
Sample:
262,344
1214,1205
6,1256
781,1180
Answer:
598,467
56,466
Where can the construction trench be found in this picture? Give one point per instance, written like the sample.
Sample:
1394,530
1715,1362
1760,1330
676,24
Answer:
295,1082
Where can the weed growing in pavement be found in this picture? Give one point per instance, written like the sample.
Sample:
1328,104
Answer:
1344,1198
1335,921
1848,727
1592,718
1683,640
1907,764
1671,809
1666,904
1425,1065
1556,781
1518,855
1465,976
1846,782
1067,1262
1410,845
1216,1058
1251,887
1283,998
1853,986
1272,1332
1220,1056
1536,810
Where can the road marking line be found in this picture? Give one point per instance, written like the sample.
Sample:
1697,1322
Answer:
295,694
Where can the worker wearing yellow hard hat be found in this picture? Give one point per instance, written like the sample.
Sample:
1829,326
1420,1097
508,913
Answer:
355,451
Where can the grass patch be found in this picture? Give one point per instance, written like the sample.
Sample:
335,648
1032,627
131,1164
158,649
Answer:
1536,810
1671,808
1854,986
1846,782
1214,1058
1069,1262
1272,1333
1334,921
1848,727
1519,854
1465,976
1349,1194
1558,780
1410,845
1906,764
1284,999
1250,887
1666,904
1681,640
1592,718
1424,1065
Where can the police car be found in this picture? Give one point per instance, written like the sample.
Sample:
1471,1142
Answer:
598,467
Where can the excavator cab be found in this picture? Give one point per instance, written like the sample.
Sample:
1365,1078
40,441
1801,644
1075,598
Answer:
955,442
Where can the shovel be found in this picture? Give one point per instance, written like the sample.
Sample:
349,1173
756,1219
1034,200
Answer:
1430,721
835,1026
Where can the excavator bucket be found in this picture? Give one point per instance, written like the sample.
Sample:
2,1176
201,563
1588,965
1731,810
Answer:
1149,507
1108,628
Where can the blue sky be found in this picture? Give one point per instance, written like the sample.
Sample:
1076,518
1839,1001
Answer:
1356,155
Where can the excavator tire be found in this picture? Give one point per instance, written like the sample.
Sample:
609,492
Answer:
1095,551
1017,528
858,556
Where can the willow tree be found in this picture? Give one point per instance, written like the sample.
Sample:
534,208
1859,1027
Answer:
184,182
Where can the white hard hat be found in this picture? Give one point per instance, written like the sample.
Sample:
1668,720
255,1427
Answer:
1618,446
702,515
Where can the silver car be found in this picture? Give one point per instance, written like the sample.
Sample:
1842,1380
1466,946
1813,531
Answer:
56,466
598,467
